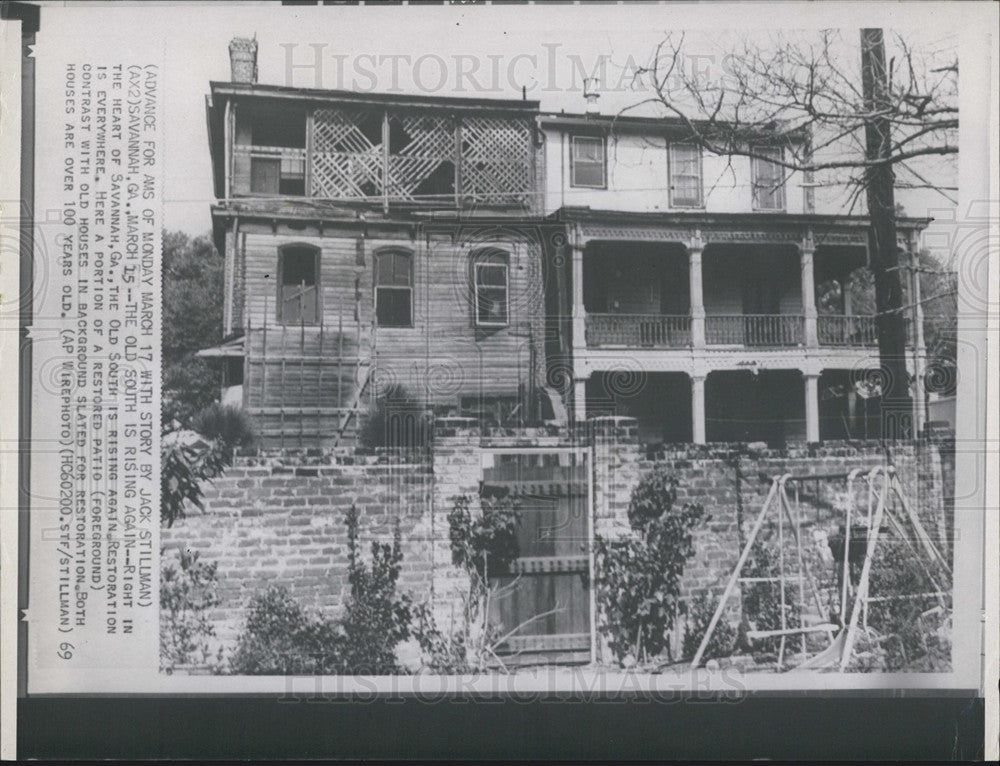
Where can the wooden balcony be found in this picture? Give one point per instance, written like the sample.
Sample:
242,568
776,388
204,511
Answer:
754,329
857,331
639,330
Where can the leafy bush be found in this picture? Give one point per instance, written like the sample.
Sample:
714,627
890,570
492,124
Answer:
281,638
638,577
182,470
376,618
483,546
396,419
187,593
700,612
230,427
486,544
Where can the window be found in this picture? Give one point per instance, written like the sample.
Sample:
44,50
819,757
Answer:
685,175
394,289
587,162
491,284
298,283
768,180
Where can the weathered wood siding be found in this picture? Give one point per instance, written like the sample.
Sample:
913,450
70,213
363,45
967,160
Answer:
441,359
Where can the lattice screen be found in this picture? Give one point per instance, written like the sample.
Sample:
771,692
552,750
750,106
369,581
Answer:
348,159
428,156
496,160
347,153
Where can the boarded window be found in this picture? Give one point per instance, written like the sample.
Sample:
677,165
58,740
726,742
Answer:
587,162
298,286
768,180
394,289
491,285
265,174
685,175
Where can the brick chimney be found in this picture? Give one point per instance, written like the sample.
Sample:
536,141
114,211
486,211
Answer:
243,59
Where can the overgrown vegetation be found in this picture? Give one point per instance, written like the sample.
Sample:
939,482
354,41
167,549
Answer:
761,603
229,427
192,320
183,470
188,591
281,637
638,577
700,612
484,545
396,419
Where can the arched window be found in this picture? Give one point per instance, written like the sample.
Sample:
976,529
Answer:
491,287
394,288
298,285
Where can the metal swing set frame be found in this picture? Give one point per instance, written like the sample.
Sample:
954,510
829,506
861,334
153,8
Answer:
883,485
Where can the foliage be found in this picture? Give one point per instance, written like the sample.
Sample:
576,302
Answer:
396,419
281,638
187,592
483,546
444,652
487,544
376,618
906,623
638,577
229,427
700,612
182,470
192,320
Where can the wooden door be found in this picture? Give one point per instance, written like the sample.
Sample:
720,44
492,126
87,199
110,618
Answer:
544,600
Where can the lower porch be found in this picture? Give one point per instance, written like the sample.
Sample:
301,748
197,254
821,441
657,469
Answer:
772,406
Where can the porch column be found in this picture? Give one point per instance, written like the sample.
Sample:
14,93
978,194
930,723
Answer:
812,406
695,248
579,399
698,409
808,292
579,314
919,350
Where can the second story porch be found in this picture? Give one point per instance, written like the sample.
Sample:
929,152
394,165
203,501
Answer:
732,285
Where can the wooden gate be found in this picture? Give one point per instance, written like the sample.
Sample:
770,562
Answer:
545,599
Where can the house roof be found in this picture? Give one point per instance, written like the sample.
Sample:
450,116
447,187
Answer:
637,124
583,213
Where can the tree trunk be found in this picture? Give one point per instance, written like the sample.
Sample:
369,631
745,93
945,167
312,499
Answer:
879,184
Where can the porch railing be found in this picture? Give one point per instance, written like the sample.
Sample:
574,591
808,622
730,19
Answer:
754,329
639,330
846,330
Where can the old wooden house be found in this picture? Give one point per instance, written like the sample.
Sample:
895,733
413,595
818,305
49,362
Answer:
372,244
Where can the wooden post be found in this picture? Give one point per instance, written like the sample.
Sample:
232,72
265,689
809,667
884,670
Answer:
385,162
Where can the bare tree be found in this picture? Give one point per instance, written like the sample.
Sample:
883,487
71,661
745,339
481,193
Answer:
855,122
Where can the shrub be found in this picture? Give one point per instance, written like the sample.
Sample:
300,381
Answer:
396,419
487,544
187,592
638,577
229,427
700,612
182,470
281,638
376,618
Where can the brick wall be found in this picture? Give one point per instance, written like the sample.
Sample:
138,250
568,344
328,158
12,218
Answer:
279,518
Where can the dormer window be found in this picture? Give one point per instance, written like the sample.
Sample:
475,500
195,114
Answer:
587,162
768,178
685,175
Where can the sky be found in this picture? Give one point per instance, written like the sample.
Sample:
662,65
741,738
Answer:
490,51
